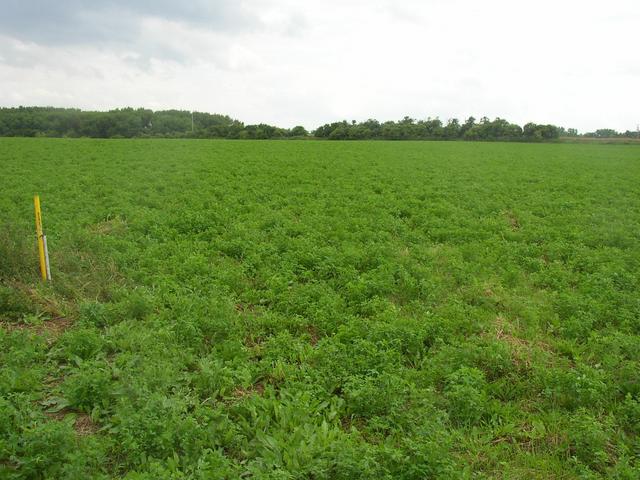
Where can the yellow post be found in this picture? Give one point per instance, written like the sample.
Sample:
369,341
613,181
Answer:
40,235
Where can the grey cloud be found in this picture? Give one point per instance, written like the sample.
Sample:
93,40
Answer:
82,22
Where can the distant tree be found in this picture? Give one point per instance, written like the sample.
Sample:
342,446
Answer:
372,126
452,129
473,133
430,129
391,131
468,125
325,131
341,132
606,133
298,131
359,132
631,134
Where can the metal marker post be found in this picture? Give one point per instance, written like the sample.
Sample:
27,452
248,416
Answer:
46,257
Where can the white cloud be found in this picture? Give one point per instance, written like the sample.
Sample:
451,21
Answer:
572,63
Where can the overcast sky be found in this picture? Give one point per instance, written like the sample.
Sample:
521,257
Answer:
575,63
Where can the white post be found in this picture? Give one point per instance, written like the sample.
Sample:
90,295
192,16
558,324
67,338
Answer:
46,257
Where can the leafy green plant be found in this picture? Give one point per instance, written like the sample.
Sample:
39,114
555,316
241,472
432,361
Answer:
591,440
465,396
89,386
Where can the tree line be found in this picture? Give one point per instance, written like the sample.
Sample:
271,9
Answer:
434,129
140,122
131,123
611,133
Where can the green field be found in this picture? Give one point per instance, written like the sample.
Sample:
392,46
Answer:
320,310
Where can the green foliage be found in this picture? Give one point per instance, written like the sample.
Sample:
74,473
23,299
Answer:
23,358
89,387
576,387
34,448
15,249
591,440
14,304
433,129
94,313
318,309
129,123
464,393
538,133
80,343
374,396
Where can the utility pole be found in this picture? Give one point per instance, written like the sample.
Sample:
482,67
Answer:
192,129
